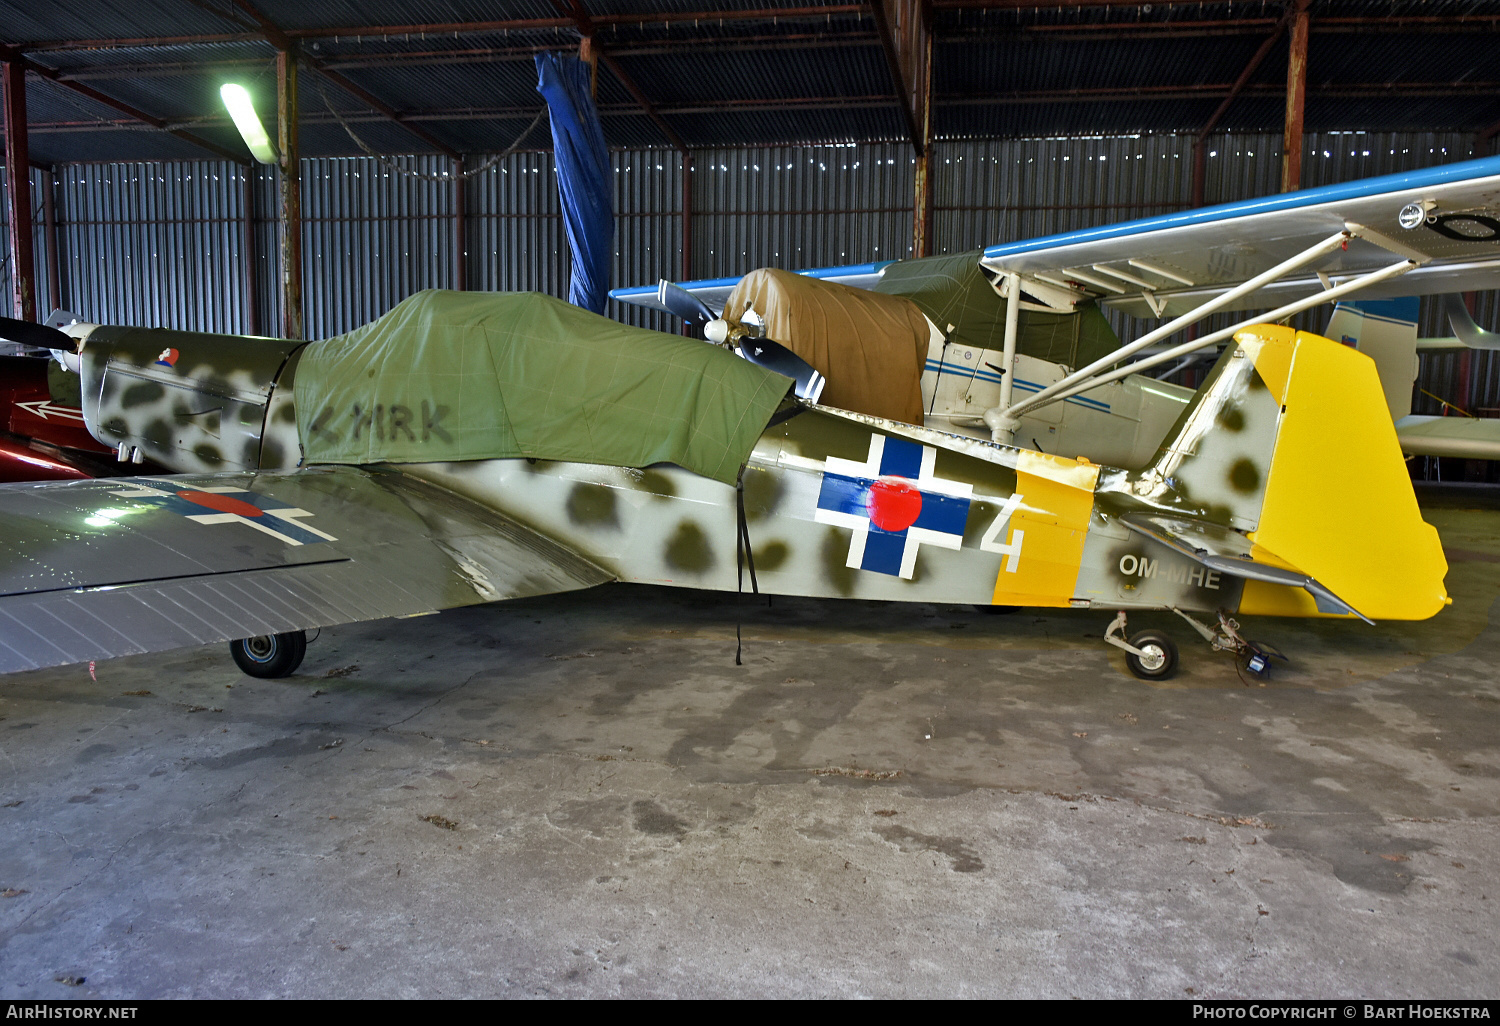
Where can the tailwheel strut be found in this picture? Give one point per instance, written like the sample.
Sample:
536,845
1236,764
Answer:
1253,657
1152,655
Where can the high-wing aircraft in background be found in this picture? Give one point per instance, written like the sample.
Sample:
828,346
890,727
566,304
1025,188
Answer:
1364,244
469,448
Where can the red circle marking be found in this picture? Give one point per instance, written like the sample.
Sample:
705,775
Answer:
894,504
222,503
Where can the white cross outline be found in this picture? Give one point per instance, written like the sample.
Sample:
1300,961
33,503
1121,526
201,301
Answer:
991,540
289,514
926,481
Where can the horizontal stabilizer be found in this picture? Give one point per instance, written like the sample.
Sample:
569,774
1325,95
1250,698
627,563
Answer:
1472,438
1228,551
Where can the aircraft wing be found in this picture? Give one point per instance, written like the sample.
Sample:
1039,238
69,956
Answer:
1474,438
1173,263
715,291
1178,261
1229,552
118,566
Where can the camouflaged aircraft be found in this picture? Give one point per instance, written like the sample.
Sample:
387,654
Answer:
471,448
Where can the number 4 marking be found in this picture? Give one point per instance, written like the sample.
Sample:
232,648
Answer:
991,540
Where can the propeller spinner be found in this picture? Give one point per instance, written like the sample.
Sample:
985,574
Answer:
762,351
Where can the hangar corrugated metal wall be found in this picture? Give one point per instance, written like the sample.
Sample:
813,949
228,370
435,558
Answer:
168,243
38,243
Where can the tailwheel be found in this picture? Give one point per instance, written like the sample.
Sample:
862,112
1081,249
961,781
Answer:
270,655
1255,659
1157,659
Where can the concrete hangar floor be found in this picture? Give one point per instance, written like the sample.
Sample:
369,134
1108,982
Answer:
583,796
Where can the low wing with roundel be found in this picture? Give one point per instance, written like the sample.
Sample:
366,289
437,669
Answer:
100,568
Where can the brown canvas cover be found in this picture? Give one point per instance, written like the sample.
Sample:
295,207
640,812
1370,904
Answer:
870,347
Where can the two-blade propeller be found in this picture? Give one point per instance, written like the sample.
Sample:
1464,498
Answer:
761,351
38,336
776,357
683,303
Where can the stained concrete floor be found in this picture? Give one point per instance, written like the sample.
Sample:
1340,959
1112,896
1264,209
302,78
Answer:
584,796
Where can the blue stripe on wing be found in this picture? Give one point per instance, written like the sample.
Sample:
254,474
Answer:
1360,189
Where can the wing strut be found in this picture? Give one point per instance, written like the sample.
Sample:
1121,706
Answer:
1002,420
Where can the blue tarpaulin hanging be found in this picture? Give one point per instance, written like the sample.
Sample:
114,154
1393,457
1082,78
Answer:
583,175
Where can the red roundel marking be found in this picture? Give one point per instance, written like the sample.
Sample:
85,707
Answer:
222,503
894,504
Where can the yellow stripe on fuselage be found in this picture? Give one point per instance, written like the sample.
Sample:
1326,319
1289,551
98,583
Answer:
1057,498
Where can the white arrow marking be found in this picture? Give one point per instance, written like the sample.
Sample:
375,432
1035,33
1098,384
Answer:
42,407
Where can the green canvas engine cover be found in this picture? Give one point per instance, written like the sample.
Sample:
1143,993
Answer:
956,296
450,376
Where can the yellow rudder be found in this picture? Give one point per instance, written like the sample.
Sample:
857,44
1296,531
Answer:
1339,503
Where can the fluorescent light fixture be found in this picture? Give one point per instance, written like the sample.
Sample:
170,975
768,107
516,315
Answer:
242,110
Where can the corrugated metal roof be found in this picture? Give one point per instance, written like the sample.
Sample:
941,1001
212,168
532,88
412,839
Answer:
32,22
795,78
296,14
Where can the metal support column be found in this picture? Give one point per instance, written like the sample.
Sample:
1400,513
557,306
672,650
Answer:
922,208
687,215
906,38
687,224
1296,97
460,229
291,195
247,250
589,54
49,232
921,205
1200,142
18,180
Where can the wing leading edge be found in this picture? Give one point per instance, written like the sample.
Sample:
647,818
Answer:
1172,263
102,568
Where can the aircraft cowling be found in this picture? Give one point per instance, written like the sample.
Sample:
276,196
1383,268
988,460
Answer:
190,401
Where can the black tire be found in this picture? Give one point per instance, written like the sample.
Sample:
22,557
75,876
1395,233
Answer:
1160,662
1247,660
998,610
270,655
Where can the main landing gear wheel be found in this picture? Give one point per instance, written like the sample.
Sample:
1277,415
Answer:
270,655
1158,658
